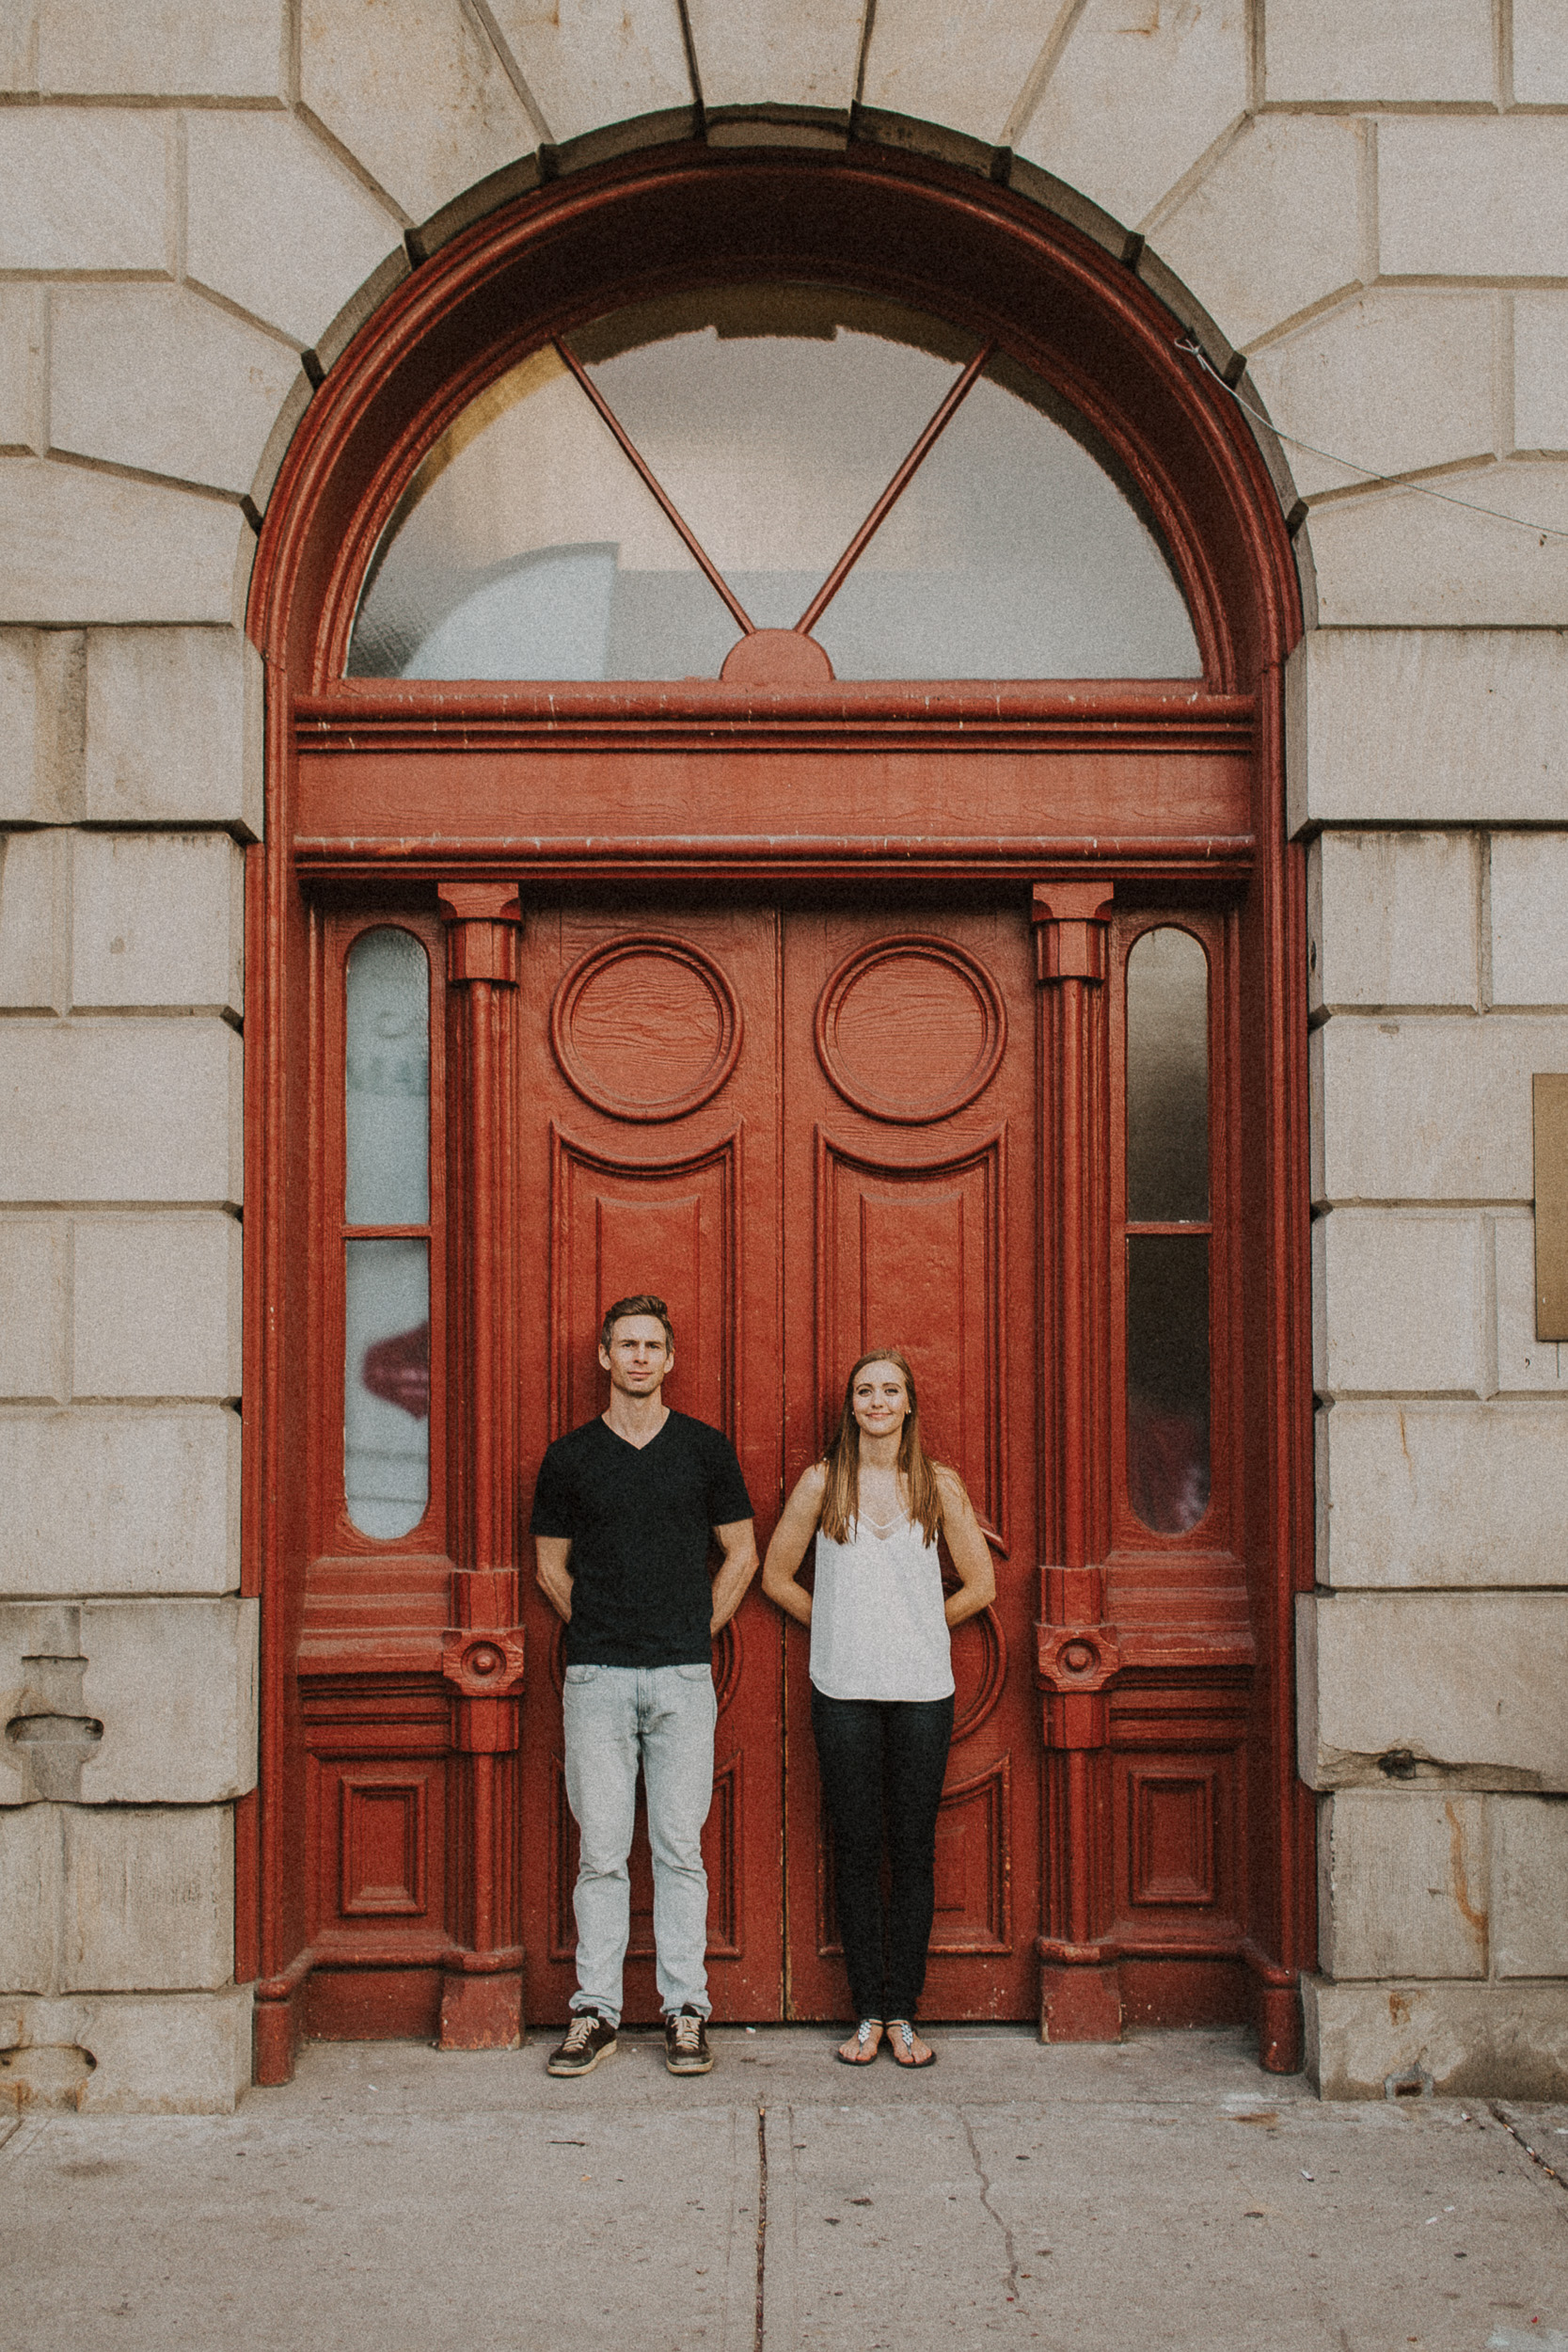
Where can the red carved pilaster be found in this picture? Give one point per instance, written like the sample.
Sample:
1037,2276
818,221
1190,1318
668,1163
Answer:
483,1655
1078,1655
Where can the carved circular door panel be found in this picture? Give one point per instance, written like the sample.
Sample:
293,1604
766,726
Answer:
646,1028
911,1029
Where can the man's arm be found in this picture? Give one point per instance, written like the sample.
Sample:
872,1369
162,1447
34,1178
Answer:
551,1553
738,1541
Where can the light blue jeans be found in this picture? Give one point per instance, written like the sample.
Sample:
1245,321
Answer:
662,1718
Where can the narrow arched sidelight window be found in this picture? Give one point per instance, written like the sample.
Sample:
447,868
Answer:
635,496
387,1233
1167,1232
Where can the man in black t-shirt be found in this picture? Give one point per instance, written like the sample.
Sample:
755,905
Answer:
624,1514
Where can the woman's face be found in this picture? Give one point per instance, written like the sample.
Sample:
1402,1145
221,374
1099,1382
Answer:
880,1400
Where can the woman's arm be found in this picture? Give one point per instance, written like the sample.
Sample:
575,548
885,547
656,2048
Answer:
791,1538
967,1549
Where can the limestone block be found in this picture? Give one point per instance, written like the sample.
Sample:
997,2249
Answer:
79,546
1540,53
23,317
1137,99
1472,195
1529,892
120,1110
43,723
275,223
174,728
161,379
1394,381
31,1896
1424,726
1393,919
85,187
35,919
149,1898
1398,559
417,94
173,1683
799,53
1471,2040
1525,1363
966,68
1402,49
35,1290
1540,371
1434,1108
129,2053
584,64
49,1733
1451,1691
1402,1885
1530,1930
1273,227
1450,1494
163,48
158,919
1397,1303
156,1306
110,1500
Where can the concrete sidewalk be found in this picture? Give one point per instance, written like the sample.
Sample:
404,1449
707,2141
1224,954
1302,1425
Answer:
1159,2194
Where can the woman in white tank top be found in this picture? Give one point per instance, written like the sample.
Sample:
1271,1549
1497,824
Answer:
881,1675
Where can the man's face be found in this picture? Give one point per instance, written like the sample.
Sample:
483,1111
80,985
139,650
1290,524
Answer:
639,1358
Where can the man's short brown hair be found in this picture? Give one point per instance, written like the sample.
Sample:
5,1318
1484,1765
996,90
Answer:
643,1304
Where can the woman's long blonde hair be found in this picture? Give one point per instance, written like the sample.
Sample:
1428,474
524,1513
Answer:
841,1497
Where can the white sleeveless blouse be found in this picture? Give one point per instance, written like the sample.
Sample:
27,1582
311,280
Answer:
877,1627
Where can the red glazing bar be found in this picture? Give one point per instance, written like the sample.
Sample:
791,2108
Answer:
893,492
714,575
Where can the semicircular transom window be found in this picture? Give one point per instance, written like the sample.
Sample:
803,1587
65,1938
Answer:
637,498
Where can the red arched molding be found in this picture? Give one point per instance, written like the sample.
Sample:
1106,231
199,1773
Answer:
946,240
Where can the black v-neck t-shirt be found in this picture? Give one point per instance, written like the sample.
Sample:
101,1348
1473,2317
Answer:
640,1519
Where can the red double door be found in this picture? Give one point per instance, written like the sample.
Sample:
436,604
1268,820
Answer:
811,1131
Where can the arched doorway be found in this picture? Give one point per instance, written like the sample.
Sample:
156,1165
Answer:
947,891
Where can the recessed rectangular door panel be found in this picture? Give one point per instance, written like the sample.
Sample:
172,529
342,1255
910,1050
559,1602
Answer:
649,1163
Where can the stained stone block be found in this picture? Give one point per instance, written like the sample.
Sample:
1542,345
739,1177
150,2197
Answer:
1540,369
967,69
158,378
35,919
23,330
155,1305
1433,1106
42,722
1393,919
1472,195
1441,1691
1125,121
159,919
1540,53
1409,49
1531,1926
148,1898
276,223
31,1894
174,728
416,94
1453,1494
1402,1885
586,64
35,1286
1397,1303
1273,226
79,546
1469,2040
112,1499
120,1110
84,189
1529,893
48,1731
1400,560
803,53
163,48
1525,1365
173,1683
128,2054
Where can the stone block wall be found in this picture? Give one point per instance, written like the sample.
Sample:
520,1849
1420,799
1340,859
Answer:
199,204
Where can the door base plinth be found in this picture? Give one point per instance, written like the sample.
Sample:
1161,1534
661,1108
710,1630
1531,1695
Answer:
482,2012
1079,2004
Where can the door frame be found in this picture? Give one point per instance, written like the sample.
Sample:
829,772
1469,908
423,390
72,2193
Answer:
1159,787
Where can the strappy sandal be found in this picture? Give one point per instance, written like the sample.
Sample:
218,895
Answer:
866,2049
898,2031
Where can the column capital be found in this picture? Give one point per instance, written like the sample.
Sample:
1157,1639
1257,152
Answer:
1069,920
483,921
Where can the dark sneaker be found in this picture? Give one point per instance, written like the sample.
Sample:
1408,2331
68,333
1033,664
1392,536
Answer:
685,2050
589,2039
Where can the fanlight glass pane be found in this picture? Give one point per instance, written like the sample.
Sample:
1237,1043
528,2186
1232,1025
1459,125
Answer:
387,1101
387,1386
1167,1379
1167,1079
529,546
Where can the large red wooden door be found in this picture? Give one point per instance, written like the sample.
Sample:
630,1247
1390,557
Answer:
808,1131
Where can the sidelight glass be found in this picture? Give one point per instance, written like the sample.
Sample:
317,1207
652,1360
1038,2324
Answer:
387,1277
1167,1269
532,544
